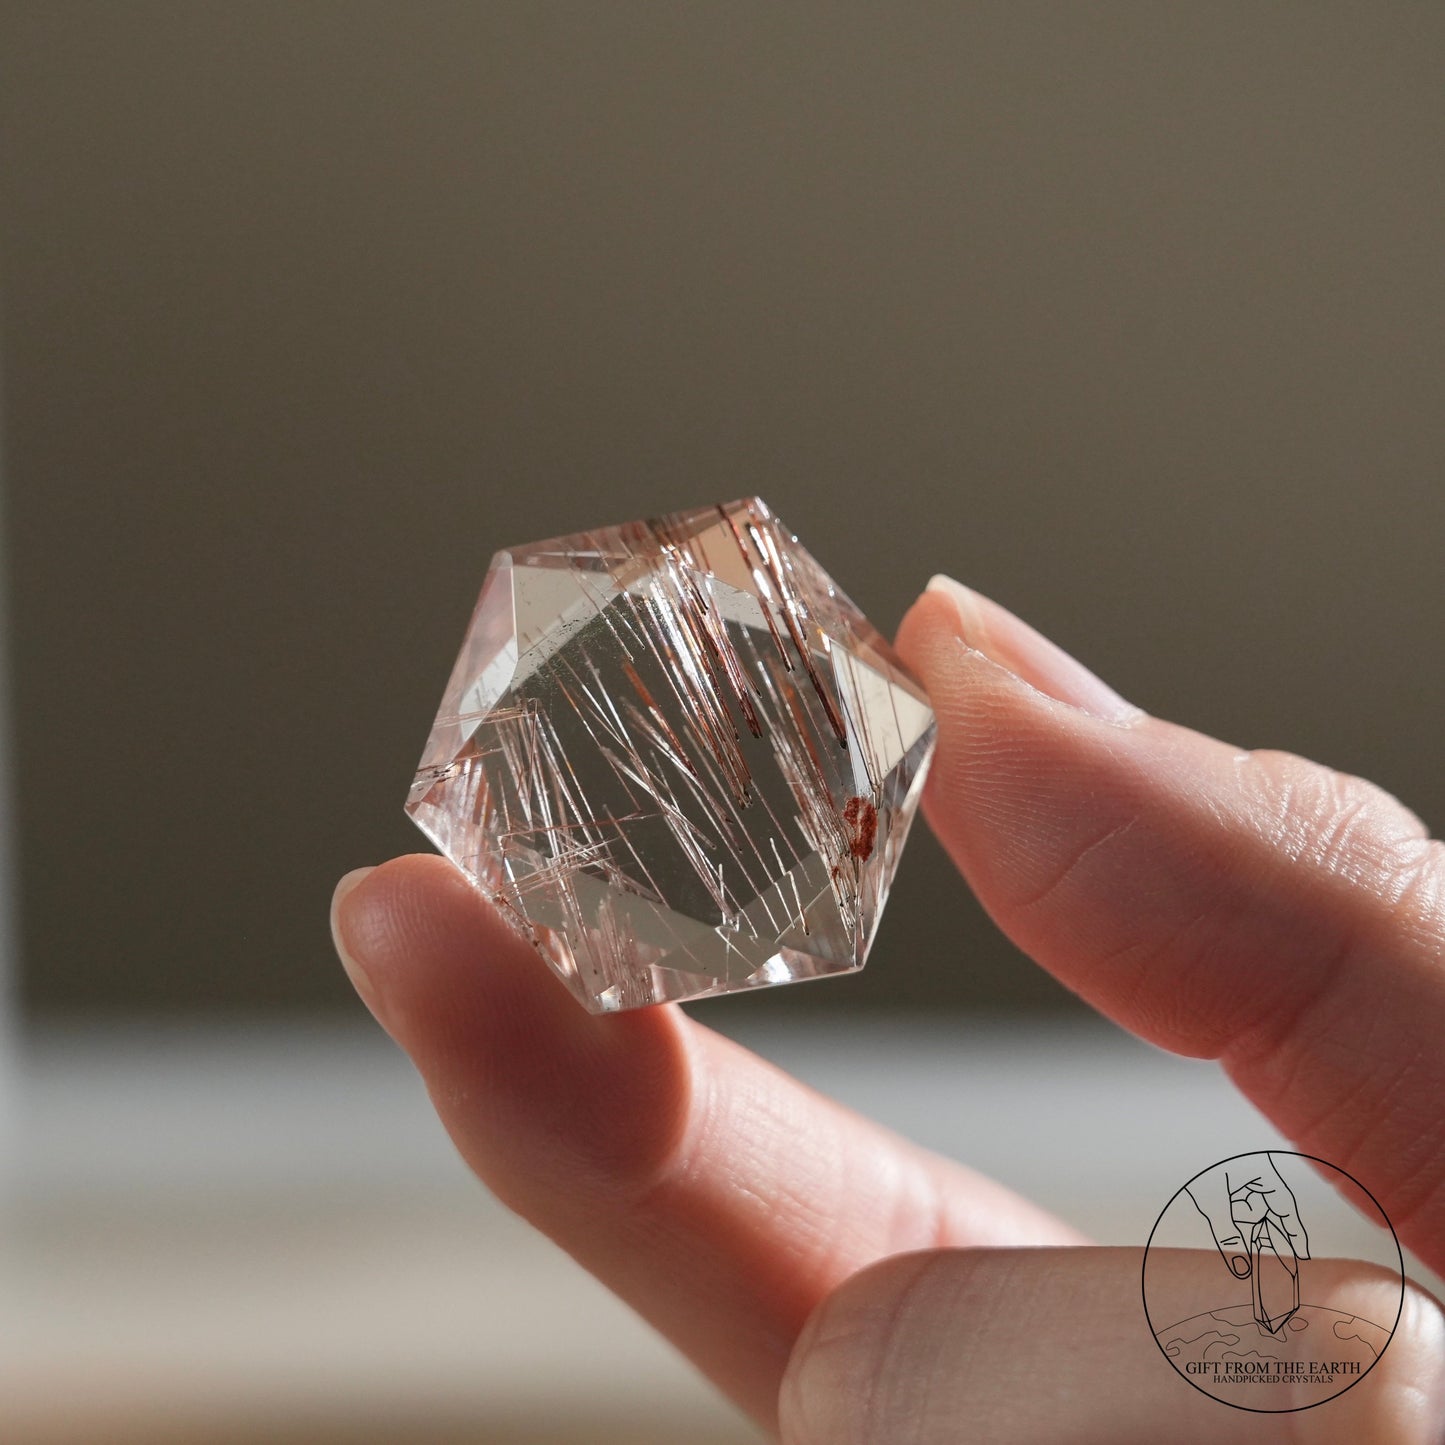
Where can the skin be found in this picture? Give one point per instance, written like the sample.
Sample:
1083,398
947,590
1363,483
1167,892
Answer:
834,1279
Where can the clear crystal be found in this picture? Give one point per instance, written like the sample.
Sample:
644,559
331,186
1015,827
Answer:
679,755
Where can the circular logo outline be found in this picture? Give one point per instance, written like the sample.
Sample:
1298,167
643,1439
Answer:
1144,1291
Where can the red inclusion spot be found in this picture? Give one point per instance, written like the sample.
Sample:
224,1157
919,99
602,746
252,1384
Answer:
862,819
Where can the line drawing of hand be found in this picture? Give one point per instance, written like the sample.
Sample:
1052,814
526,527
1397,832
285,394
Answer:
1244,1201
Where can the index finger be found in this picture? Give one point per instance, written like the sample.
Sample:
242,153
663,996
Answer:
1245,906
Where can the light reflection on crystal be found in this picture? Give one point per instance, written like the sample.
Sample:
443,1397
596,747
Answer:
680,755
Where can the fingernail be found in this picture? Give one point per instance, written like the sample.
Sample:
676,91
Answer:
355,970
1013,644
1239,1263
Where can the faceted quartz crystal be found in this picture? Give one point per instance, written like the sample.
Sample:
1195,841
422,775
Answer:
679,756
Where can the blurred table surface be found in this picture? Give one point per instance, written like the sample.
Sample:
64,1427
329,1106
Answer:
262,1234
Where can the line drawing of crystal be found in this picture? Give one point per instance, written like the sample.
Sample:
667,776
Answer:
678,756
1274,1278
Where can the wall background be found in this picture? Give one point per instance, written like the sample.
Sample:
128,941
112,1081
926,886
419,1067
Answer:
1128,314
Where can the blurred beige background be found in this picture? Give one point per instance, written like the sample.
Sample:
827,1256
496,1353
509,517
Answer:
1128,314
1132,315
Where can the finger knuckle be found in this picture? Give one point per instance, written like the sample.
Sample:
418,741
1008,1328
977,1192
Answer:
838,1387
1345,828
1419,901
1332,822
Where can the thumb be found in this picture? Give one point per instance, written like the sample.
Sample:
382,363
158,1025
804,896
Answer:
1020,1346
1246,906
1213,1204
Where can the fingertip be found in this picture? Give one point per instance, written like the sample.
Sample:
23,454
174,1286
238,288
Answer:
1021,781
376,914
929,638
537,1093
347,882
830,1389
355,969
1091,841
982,625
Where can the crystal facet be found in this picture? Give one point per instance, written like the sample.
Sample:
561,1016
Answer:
679,756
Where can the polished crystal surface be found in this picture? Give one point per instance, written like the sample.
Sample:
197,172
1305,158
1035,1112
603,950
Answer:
679,756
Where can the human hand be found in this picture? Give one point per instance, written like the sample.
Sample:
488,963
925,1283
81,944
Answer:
1240,1193
841,1284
